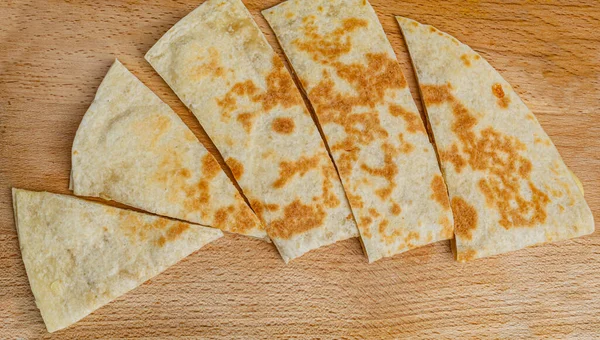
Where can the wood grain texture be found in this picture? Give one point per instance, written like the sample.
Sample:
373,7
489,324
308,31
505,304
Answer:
53,55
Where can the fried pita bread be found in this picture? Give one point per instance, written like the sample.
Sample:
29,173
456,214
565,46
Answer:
508,185
387,164
81,255
132,148
220,65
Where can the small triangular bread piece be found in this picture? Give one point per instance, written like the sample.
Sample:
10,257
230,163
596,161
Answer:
508,185
80,255
221,66
376,136
133,148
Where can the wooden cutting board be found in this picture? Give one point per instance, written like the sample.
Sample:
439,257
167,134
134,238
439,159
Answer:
53,55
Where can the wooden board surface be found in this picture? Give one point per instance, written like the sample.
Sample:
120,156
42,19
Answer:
53,55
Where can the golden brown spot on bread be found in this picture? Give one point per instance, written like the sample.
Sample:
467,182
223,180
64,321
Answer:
406,147
447,228
365,226
309,18
175,179
210,68
465,59
176,230
287,170
239,213
210,167
383,226
477,57
320,8
553,192
466,255
465,218
283,125
432,29
189,136
388,171
430,237
499,157
138,230
373,212
228,102
453,156
289,15
440,194
346,159
159,125
538,140
280,91
75,152
280,88
502,100
333,45
260,208
355,200
133,226
247,120
197,197
236,167
395,209
413,121
414,23
298,218
497,90
329,197
185,173
244,217
412,235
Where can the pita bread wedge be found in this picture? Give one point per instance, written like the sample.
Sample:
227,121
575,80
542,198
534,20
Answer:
220,65
81,255
132,148
508,185
387,164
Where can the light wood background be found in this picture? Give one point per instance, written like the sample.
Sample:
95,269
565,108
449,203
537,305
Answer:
53,55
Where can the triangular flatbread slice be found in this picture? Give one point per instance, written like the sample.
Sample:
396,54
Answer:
80,255
132,148
377,139
508,185
220,65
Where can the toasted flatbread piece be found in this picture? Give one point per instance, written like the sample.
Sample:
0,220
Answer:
81,255
220,65
508,185
387,164
132,148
